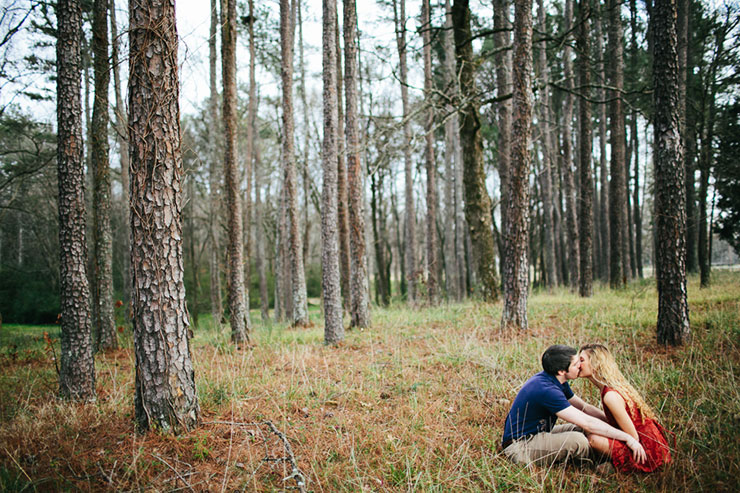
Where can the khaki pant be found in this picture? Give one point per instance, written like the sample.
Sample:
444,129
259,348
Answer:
562,443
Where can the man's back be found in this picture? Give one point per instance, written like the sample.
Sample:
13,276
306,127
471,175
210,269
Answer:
533,410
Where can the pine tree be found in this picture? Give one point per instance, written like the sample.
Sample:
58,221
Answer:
165,385
77,369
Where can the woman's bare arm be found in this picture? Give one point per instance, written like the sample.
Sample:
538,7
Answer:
616,404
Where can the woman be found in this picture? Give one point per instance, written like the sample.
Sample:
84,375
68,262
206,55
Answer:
625,409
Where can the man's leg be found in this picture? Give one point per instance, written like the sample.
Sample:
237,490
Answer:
562,443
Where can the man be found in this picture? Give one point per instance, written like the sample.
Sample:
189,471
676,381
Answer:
530,433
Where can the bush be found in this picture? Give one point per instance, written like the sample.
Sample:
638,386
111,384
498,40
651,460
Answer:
28,298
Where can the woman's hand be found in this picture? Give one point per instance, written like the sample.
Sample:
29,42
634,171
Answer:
638,453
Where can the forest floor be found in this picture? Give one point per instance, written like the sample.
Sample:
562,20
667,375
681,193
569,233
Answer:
416,403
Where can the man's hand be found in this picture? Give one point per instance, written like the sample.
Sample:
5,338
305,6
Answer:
638,453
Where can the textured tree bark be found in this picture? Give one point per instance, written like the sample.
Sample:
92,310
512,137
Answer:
571,219
429,158
636,207
165,387
617,185
685,67
547,163
410,213
77,369
516,276
121,126
330,287
238,310
299,315
453,269
103,237
670,213
501,24
477,201
214,172
604,252
345,265
586,192
304,104
360,315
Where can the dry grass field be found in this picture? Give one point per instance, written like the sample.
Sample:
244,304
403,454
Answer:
416,403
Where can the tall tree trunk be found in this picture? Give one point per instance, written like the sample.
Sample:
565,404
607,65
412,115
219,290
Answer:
299,315
462,232
104,325
574,242
630,266
238,310
685,68
516,276
617,185
191,259
547,151
452,265
604,229
286,273
586,192
410,213
636,208
165,387
304,105
214,260
256,183
279,287
502,39
77,371
705,163
247,176
259,237
345,266
122,140
673,309
360,315
382,263
477,201
330,288
429,157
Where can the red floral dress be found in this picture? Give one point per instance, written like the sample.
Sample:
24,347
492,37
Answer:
652,437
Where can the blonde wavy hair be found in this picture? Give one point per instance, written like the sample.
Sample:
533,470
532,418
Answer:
606,371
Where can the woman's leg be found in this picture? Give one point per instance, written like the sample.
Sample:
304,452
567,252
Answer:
600,445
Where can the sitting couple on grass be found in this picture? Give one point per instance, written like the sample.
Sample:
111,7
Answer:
625,431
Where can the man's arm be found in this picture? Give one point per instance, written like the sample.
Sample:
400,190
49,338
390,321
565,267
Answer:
593,425
581,405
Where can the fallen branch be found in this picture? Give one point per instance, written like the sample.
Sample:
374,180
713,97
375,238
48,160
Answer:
179,476
296,473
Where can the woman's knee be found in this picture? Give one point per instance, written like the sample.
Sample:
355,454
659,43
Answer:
598,443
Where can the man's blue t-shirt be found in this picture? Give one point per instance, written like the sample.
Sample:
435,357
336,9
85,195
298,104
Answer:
534,407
